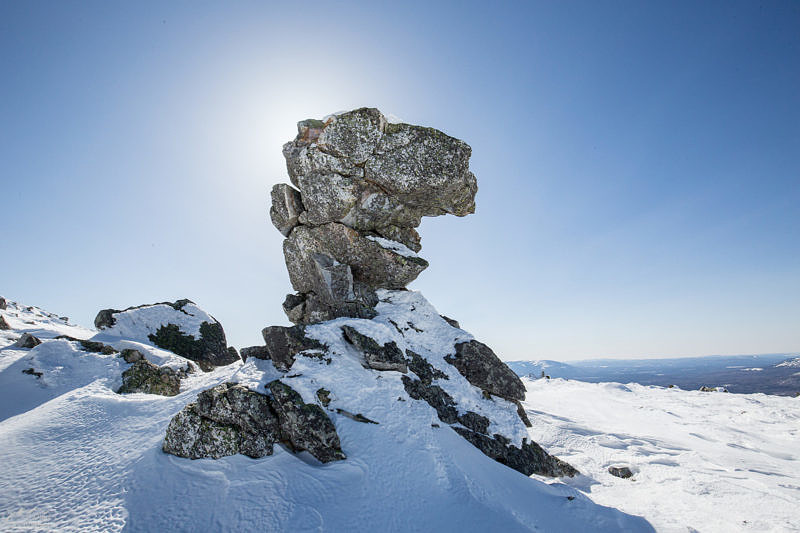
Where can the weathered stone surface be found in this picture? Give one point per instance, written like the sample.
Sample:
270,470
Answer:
370,263
478,363
423,167
27,341
287,206
144,376
3,324
256,352
380,357
3,304
131,356
620,471
225,420
283,344
423,369
304,426
209,351
359,176
475,422
435,396
529,459
194,437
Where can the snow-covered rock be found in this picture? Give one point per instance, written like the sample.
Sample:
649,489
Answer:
180,327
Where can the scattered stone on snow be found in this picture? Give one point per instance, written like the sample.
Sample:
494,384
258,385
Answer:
27,341
620,471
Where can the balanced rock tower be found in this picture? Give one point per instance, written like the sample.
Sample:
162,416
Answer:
363,185
364,349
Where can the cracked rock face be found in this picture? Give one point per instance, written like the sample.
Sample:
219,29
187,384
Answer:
230,419
359,178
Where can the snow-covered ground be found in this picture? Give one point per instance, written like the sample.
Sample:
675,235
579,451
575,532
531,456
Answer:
76,456
702,461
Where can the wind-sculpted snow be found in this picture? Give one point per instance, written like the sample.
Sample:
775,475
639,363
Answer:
701,461
87,459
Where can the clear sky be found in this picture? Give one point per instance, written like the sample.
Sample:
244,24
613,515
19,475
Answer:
638,163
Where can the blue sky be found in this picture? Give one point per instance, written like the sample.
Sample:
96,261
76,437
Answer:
638,163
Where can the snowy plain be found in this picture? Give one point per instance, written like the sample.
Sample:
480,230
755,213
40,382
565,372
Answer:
702,461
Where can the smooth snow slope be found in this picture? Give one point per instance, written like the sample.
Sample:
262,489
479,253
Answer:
702,461
84,458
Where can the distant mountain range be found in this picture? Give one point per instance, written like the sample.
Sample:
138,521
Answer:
767,373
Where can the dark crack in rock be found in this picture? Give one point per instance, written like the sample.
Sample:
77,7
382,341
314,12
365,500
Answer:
305,426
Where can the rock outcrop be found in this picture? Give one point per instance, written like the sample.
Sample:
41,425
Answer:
3,324
363,186
180,327
360,189
230,419
3,304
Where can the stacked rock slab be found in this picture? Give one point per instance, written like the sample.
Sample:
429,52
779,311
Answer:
362,187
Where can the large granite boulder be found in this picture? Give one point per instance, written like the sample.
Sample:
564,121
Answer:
180,327
479,364
225,420
363,185
230,419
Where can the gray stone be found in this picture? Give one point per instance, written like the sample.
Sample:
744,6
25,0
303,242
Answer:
145,377
357,177
255,352
287,206
475,422
528,459
3,304
423,369
295,307
225,420
304,426
478,363
379,357
620,471
282,344
425,168
3,324
435,396
370,263
27,341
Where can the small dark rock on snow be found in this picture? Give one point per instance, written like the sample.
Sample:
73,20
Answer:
620,471
27,341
